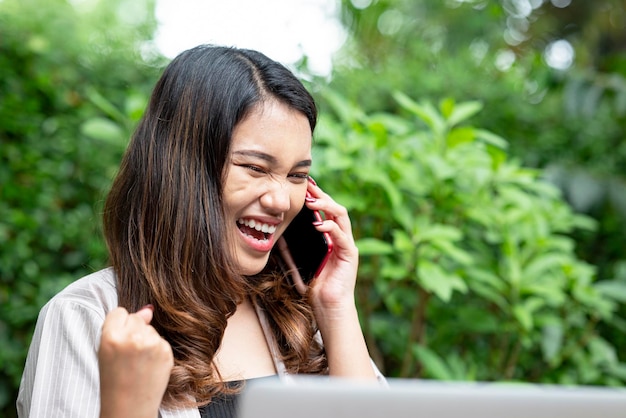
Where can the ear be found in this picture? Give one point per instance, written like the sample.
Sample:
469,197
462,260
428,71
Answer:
301,287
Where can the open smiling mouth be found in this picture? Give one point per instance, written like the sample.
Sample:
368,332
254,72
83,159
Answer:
255,229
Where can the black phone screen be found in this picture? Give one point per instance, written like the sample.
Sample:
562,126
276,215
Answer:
308,247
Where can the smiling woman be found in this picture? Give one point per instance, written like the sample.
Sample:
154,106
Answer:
266,183
198,301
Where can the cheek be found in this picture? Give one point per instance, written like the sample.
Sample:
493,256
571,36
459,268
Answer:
296,198
297,201
237,189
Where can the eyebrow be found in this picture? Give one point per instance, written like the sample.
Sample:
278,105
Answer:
269,158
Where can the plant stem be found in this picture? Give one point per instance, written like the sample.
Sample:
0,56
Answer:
363,291
417,333
511,363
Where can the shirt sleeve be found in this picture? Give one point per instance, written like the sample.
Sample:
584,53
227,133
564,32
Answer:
61,377
379,376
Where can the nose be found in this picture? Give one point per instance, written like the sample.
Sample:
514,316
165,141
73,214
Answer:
277,197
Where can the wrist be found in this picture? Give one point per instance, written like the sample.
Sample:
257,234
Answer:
329,302
336,317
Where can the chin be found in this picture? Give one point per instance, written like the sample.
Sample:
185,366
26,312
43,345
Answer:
252,267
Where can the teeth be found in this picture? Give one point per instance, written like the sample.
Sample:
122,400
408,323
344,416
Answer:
262,227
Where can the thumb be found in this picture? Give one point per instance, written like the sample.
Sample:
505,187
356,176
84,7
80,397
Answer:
145,313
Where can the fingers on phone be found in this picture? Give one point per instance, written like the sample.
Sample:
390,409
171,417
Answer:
330,208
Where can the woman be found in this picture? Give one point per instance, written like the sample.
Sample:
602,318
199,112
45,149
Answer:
216,170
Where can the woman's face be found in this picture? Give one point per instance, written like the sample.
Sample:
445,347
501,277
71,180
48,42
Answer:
266,180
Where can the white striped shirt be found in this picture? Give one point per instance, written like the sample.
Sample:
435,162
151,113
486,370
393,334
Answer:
61,377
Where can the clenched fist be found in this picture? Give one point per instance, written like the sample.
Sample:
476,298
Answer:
135,364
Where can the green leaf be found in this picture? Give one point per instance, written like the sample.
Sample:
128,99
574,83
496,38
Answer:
439,232
426,112
590,297
533,304
613,289
104,130
490,279
446,106
376,175
336,160
489,294
346,111
618,370
552,336
584,222
380,134
523,316
135,106
450,250
463,111
402,242
434,365
392,123
602,352
551,292
543,264
491,139
434,279
373,246
394,271
440,168
460,136
105,105
404,216
498,157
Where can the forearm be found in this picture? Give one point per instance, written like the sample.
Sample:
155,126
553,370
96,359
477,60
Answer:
344,343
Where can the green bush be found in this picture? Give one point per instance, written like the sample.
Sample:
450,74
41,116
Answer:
467,269
569,122
64,73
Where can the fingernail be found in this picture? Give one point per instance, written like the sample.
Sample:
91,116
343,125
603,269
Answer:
318,223
312,181
310,199
148,306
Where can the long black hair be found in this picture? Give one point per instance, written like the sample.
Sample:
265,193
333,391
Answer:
164,222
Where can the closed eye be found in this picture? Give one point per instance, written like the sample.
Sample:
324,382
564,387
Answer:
299,177
254,168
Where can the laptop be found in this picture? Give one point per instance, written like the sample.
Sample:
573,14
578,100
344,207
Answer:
321,397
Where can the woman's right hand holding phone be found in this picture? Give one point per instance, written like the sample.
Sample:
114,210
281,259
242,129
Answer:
334,288
331,294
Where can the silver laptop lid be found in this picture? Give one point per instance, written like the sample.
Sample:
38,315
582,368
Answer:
336,398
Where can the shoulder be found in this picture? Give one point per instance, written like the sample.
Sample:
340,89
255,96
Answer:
95,294
62,358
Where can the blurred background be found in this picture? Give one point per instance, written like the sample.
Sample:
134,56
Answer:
478,144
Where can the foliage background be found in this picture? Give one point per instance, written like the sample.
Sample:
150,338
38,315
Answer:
72,84
486,187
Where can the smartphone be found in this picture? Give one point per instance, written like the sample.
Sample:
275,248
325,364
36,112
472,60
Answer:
309,247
